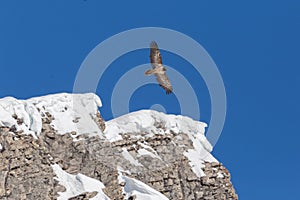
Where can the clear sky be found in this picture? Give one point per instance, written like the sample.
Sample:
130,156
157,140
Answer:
255,45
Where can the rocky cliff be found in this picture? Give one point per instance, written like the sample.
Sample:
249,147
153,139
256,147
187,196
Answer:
59,147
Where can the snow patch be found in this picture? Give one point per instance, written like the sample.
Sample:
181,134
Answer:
146,120
220,175
71,112
10,108
144,152
153,122
139,189
78,184
199,154
130,158
147,151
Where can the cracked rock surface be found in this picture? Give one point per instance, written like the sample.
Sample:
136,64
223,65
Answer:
26,172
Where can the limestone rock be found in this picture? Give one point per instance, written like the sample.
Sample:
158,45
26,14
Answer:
158,158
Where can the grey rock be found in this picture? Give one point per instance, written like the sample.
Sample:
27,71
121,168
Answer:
26,172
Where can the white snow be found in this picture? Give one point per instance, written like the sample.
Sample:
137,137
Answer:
199,154
78,184
220,175
1,147
145,120
71,112
76,112
139,189
147,150
129,157
24,110
144,152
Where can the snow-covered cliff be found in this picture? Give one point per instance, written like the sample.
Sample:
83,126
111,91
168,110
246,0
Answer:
70,112
143,155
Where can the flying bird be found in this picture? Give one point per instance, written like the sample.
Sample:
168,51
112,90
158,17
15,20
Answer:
158,69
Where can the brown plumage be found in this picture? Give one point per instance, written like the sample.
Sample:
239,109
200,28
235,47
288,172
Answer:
158,69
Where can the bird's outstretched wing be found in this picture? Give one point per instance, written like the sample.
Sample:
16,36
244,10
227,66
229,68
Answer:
157,68
164,82
155,57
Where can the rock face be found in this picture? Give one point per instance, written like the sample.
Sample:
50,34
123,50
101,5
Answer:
142,155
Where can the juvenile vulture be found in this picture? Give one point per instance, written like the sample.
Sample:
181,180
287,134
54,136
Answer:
158,69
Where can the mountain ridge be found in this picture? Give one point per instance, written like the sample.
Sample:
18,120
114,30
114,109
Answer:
142,155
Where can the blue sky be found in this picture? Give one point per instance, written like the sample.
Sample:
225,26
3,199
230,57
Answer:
254,44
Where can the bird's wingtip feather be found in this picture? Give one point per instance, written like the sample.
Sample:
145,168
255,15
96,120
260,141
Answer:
153,44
